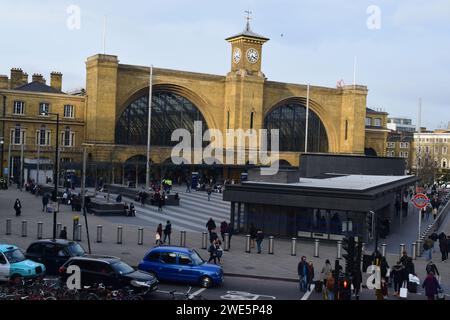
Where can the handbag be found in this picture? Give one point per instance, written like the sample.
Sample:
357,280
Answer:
404,291
440,295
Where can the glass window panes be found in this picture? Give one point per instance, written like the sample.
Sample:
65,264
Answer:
68,111
377,122
44,108
368,121
19,107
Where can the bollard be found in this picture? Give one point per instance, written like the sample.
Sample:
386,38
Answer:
247,244
8,227
383,249
58,229
402,249
414,250
39,230
183,239
140,236
294,247
119,234
227,242
24,229
99,233
419,248
339,250
316,248
204,240
271,244
79,228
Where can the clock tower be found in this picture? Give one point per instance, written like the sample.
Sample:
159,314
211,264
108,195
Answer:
246,50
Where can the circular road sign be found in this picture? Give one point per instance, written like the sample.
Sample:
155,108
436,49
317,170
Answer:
420,200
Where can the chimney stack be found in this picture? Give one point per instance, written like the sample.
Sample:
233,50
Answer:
4,82
24,78
16,78
56,80
38,77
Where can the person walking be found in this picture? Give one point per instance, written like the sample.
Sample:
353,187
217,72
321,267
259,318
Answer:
398,277
210,225
63,234
18,207
158,235
431,286
188,186
431,267
45,200
252,235
230,232
443,246
330,286
310,275
223,229
219,250
132,210
209,191
213,236
259,239
167,231
428,247
212,253
326,269
302,270
160,200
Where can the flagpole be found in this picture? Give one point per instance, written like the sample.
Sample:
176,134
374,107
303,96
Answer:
150,95
104,35
307,120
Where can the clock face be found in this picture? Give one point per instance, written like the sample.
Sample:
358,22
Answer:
237,55
252,55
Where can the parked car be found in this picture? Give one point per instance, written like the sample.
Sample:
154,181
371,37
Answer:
54,253
181,265
13,264
109,271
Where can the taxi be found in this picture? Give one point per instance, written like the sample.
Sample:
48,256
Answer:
13,264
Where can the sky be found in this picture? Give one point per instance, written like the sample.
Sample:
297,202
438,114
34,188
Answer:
402,47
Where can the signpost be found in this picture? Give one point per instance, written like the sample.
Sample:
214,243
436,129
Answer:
420,201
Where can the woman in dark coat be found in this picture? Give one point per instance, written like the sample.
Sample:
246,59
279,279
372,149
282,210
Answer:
443,246
18,207
431,286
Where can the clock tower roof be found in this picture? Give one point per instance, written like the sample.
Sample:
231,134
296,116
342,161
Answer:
249,34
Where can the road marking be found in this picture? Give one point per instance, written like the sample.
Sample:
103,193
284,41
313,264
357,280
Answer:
196,293
308,293
240,295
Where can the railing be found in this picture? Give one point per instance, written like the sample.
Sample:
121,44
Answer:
433,227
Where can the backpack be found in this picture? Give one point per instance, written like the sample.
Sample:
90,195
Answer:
426,245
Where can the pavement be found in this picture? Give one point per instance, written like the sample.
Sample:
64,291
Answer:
280,266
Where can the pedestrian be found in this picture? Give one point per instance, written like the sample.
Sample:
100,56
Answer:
431,267
159,232
209,191
398,277
357,282
310,275
167,231
119,198
448,245
252,235
132,210
330,286
188,186
230,232
302,270
210,225
428,245
143,198
326,269
212,253
443,246
160,199
431,286
259,239
213,236
18,207
219,250
45,199
63,233
223,229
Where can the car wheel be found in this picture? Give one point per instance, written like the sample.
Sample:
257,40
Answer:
206,282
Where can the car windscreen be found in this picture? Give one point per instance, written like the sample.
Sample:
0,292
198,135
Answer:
196,259
122,268
14,256
76,250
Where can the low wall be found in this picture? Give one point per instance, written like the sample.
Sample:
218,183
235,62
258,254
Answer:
132,193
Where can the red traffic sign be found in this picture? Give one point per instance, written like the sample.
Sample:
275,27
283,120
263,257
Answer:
420,200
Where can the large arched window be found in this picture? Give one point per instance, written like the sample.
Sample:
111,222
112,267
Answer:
290,119
170,111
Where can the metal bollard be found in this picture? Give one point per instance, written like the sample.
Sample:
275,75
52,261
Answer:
58,229
294,247
419,248
140,236
183,239
383,249
402,249
39,230
119,234
8,227
227,242
271,244
414,250
99,233
339,250
247,244
316,248
24,229
204,240
79,228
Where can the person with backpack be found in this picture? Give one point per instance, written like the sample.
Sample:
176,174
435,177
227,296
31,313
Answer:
428,247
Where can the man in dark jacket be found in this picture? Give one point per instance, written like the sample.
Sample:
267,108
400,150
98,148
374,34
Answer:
45,199
63,234
167,231
443,246
18,207
259,239
210,225
302,270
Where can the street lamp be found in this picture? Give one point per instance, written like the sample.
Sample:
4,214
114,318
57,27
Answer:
3,135
56,168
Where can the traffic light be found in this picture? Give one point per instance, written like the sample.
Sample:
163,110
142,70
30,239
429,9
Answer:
345,288
348,244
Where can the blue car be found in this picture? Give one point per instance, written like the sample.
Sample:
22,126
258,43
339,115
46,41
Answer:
13,264
181,265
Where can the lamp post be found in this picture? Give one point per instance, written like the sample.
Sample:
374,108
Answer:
3,135
56,168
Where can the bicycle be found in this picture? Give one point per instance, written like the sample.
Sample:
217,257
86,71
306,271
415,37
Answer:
186,295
